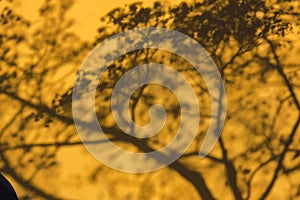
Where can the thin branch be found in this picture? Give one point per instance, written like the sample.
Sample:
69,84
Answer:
293,132
218,160
254,173
51,144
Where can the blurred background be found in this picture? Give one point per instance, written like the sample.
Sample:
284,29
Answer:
255,45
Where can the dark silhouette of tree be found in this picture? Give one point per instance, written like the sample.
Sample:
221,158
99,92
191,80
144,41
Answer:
233,33
250,41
